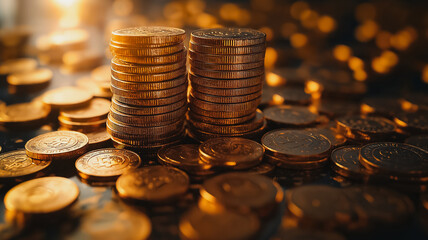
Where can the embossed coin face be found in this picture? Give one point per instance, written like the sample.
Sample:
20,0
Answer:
296,143
154,184
184,156
290,115
228,36
148,35
97,109
107,163
18,164
346,161
241,191
24,113
363,124
197,224
57,145
399,158
335,139
67,97
238,153
41,195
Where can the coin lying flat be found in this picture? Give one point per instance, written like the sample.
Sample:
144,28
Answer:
17,164
96,110
32,77
41,195
346,162
228,37
296,163
236,153
389,157
197,224
17,65
59,145
154,184
160,36
290,115
24,113
335,138
365,128
106,163
67,97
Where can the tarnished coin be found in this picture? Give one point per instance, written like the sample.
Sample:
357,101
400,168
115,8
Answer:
228,37
153,184
149,35
59,145
198,224
415,122
227,50
29,78
290,115
66,97
148,78
17,164
121,50
186,157
244,192
17,65
395,158
228,74
296,143
155,60
41,196
106,163
149,86
364,127
229,59
21,114
225,67
96,110
418,141
126,67
346,162
236,153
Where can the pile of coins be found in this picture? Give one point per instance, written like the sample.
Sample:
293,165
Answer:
226,75
149,87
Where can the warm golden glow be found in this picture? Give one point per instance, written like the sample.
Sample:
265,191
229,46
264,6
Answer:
195,6
366,109
366,31
383,40
312,87
174,11
298,40
271,57
263,5
402,40
274,80
65,3
205,20
408,106
365,11
342,52
229,11
390,57
309,18
326,24
360,75
277,99
425,74
269,33
297,8
287,29
355,63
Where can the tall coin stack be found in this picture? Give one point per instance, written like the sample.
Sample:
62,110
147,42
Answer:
226,76
149,87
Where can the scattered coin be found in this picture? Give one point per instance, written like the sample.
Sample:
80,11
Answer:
17,164
97,109
66,97
24,114
17,65
30,78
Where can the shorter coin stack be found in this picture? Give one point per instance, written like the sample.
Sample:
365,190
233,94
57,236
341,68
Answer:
226,75
149,87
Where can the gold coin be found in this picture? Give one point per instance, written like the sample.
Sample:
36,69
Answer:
98,139
144,51
346,162
229,59
198,224
148,86
226,91
296,143
149,120
156,60
228,74
159,130
164,93
126,109
29,78
228,37
89,85
41,195
24,114
84,127
17,164
252,104
152,102
225,67
59,145
243,192
160,36
158,77
126,67
66,97
96,110
153,184
236,153
17,65
145,143
290,115
221,121
227,50
264,168
299,164
186,157
365,128
415,122
221,114
221,99
106,163
335,138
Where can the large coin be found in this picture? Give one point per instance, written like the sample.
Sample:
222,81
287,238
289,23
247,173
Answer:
228,37
17,164
415,122
67,97
365,128
21,114
29,78
96,110
290,115
418,141
159,36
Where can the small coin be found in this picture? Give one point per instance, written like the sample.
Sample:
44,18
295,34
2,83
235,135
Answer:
209,106
346,162
363,127
151,102
418,141
156,60
16,164
198,224
146,51
296,143
24,113
228,59
153,184
290,115
225,91
220,121
59,145
41,195
101,73
96,110
67,97
126,109
148,86
106,163
32,77
228,37
416,122
186,157
243,192
235,153
228,74
221,99
227,50
164,93
17,65
388,157
160,36
126,67
98,139
225,67
146,78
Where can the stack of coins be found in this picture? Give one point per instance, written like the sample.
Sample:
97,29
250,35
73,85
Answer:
149,87
226,75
